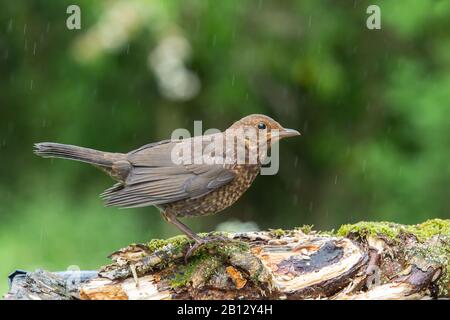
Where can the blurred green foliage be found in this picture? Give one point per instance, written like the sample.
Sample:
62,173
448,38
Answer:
373,107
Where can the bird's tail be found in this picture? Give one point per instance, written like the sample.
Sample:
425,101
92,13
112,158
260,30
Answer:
65,151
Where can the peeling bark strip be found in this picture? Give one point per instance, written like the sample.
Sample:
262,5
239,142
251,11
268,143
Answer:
361,261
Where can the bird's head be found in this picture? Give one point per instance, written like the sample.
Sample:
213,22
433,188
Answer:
265,125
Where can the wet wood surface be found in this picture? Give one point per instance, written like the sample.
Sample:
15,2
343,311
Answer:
257,265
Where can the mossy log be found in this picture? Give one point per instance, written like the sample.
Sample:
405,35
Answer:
368,260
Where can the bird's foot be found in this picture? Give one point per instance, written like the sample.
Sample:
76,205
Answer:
199,243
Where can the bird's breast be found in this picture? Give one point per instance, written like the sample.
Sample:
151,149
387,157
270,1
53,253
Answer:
218,199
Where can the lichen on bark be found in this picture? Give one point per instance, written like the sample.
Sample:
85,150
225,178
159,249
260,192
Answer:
424,245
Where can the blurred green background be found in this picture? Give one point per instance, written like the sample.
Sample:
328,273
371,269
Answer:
373,107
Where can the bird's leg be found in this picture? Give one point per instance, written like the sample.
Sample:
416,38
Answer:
171,218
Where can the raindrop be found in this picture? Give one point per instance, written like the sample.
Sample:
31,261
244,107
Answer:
34,49
25,28
10,25
305,126
335,179
41,235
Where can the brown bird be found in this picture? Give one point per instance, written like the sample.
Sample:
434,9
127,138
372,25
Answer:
172,176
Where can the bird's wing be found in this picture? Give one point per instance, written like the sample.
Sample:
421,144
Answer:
156,179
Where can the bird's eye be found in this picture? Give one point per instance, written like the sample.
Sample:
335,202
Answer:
261,126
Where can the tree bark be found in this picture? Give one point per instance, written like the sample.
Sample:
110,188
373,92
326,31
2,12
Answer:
361,261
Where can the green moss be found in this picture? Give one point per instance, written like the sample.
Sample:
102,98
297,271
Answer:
277,232
306,228
423,231
177,241
226,249
365,229
430,228
205,261
184,273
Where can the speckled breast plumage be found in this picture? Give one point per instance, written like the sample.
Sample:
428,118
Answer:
218,199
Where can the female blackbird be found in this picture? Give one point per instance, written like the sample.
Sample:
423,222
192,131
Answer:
177,178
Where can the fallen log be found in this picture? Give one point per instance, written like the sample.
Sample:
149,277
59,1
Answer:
367,260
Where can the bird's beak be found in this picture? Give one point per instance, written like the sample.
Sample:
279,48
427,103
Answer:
286,133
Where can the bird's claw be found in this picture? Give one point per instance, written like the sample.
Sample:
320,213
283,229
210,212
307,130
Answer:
192,250
202,242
